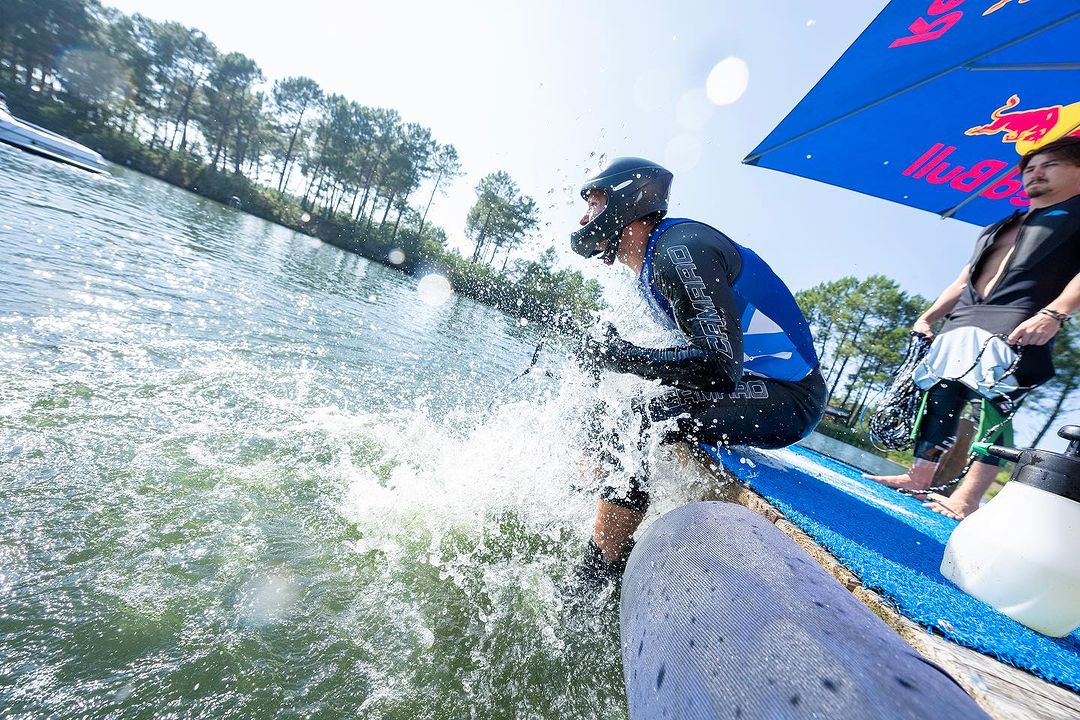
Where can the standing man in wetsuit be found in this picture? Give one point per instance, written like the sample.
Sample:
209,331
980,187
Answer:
1023,281
746,373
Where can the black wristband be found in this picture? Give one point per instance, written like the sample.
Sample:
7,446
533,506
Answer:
1062,318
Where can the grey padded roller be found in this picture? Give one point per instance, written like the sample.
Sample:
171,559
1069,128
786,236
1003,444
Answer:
724,616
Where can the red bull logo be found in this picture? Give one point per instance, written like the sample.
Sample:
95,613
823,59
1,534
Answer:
1026,130
1000,4
1030,129
933,168
941,16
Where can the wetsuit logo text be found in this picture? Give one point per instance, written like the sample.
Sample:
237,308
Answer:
745,390
711,325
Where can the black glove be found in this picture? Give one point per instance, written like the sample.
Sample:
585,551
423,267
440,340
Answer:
608,352
592,574
684,366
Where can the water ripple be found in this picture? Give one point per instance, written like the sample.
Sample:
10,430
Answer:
246,474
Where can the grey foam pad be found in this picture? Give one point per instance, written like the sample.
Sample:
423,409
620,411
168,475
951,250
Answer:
724,616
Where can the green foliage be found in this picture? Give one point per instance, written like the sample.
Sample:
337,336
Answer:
446,166
1052,398
853,436
845,434
861,332
293,98
555,293
501,217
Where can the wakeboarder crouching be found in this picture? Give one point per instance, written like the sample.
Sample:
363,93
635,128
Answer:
746,372
1023,281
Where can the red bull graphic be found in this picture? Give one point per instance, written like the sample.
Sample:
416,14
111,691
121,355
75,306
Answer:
940,21
931,167
941,16
1026,130
1030,129
1000,4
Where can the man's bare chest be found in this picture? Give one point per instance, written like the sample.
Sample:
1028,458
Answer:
994,263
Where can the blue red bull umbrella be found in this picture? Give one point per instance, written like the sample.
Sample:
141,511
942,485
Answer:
936,101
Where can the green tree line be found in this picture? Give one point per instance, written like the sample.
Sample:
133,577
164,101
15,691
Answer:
1056,397
163,99
861,330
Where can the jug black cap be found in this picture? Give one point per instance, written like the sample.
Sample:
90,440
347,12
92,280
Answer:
1058,473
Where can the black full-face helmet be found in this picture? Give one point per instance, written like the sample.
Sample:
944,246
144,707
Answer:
634,188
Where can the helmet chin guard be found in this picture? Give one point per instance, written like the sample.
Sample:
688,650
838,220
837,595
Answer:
634,188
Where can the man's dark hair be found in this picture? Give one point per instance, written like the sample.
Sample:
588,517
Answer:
1066,148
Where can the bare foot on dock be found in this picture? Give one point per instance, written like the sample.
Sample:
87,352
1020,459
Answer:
952,507
919,477
904,481
901,482
968,495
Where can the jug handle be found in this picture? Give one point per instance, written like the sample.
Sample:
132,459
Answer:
986,449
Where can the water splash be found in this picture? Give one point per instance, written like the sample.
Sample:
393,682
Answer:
257,475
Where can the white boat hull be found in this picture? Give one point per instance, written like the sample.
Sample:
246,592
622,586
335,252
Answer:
31,138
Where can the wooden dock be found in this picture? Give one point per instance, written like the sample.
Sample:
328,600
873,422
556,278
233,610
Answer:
1004,692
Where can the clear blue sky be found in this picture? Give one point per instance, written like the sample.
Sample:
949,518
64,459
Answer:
536,89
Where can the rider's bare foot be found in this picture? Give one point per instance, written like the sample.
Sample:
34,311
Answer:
904,481
918,478
954,507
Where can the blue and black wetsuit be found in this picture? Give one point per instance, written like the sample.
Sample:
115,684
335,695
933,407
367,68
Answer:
748,374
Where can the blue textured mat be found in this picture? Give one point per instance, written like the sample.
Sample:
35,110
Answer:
895,545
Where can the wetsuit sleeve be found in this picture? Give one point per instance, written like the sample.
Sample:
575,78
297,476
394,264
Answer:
694,266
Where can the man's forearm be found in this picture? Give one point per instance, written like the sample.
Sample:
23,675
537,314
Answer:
687,367
1041,327
939,310
1069,300
947,300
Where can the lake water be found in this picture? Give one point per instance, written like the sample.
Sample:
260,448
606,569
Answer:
246,474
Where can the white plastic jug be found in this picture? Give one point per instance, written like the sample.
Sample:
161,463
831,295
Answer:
1020,553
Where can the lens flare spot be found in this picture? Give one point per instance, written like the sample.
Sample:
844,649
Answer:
727,81
652,90
682,152
693,110
270,598
396,256
434,290
123,693
94,76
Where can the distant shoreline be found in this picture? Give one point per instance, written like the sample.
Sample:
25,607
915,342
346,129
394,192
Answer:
543,298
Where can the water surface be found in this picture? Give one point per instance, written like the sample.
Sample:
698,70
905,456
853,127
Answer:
247,474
